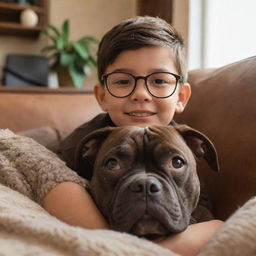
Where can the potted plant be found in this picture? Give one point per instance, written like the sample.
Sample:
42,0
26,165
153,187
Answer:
69,58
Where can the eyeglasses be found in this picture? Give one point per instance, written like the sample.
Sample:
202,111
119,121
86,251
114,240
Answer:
158,84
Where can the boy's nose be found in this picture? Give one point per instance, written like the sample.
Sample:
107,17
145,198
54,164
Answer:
141,93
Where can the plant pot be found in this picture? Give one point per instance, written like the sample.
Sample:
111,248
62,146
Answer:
64,78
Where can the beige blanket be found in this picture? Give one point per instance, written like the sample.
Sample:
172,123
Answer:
28,171
237,237
26,229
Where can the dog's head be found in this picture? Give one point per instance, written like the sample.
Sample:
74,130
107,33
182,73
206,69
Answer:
144,180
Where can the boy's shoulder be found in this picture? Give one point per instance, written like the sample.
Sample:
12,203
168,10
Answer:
68,145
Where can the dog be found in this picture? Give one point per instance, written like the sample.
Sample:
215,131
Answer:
144,180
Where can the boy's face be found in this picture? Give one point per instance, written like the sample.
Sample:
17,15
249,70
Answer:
141,108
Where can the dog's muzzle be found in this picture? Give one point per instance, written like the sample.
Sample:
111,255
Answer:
147,225
149,205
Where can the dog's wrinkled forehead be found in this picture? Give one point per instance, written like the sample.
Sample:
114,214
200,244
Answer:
139,138
162,133
125,136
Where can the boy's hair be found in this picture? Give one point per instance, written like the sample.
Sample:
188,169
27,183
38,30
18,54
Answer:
139,32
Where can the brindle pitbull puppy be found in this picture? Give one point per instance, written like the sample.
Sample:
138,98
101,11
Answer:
144,180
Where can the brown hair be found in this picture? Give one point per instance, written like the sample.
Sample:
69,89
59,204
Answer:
136,33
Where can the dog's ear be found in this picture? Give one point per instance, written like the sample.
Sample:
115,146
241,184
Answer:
86,151
200,145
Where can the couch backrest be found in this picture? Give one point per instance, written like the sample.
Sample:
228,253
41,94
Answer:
23,108
223,106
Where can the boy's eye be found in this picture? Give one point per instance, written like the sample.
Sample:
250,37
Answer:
159,82
122,82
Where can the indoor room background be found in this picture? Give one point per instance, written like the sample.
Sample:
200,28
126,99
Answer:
87,17
216,32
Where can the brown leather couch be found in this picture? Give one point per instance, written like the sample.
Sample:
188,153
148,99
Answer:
222,106
23,108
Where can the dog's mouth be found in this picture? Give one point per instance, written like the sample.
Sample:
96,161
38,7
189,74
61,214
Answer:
149,228
152,237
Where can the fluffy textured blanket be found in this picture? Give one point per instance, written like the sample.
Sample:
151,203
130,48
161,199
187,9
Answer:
237,237
26,229
28,171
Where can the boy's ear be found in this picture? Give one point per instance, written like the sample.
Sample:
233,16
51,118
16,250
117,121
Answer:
99,93
183,97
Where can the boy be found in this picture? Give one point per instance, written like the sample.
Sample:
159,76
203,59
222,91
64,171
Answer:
142,81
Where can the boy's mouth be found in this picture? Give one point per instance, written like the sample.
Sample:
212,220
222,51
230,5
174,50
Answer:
140,114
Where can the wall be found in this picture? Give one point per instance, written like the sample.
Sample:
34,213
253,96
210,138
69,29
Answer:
180,17
87,17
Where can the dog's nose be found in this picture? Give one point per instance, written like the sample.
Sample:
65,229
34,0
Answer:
149,185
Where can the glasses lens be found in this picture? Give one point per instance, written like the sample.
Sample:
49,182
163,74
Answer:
120,84
161,84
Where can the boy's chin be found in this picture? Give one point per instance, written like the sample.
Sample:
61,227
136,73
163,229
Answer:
143,121
143,124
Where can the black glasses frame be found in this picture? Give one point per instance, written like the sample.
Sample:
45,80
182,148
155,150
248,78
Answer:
136,78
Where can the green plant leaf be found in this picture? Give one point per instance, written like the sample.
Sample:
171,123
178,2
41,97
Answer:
60,44
48,48
66,59
75,56
81,49
88,39
65,32
52,38
54,29
62,39
80,64
93,61
76,76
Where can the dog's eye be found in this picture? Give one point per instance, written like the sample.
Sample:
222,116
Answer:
177,162
112,164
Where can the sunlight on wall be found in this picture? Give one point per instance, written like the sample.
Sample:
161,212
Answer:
223,32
